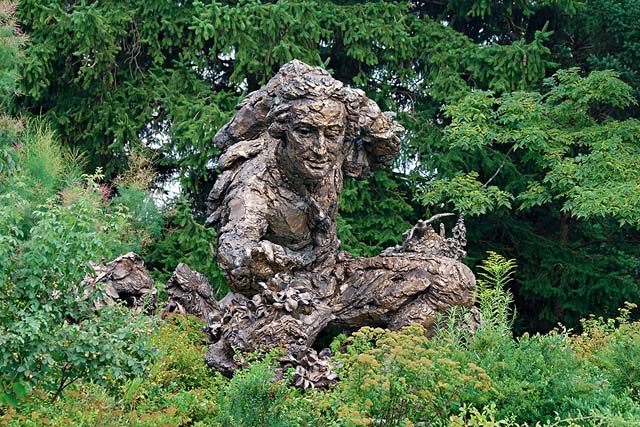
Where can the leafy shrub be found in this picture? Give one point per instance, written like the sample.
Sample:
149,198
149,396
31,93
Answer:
178,391
400,378
254,399
182,344
470,416
614,347
179,378
493,300
50,332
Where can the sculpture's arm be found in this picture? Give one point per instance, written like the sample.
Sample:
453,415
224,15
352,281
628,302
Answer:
242,250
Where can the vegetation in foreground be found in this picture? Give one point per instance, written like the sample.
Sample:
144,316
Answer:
456,379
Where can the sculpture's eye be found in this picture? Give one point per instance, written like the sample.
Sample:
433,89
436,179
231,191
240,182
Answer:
304,130
333,131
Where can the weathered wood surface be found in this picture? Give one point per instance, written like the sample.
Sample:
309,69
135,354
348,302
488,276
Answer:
284,157
189,292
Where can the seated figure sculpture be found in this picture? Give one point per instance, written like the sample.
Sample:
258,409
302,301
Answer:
284,157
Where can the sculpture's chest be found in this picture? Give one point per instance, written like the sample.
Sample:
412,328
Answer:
290,224
298,221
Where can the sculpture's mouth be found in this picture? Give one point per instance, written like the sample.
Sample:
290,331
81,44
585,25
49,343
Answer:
317,165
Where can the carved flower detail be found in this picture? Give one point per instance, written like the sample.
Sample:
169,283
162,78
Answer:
311,369
295,298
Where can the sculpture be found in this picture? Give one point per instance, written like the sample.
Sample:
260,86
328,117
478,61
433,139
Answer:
284,157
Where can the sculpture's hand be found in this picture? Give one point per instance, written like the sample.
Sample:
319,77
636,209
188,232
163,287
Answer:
268,258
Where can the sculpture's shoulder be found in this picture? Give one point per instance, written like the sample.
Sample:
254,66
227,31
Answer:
247,167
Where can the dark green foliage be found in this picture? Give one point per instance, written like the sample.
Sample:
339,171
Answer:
185,239
604,36
108,73
374,213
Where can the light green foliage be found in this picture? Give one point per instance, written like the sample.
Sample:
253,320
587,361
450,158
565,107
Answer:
178,391
50,333
143,212
253,398
585,160
403,378
470,416
393,378
466,193
179,386
610,345
570,170
493,300
11,54
182,345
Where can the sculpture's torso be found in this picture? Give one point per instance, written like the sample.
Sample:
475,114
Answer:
300,217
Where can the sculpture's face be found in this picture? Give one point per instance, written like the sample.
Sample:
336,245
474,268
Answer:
314,137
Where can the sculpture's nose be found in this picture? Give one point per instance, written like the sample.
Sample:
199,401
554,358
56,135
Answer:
319,148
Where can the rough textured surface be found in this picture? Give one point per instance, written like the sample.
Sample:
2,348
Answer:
189,292
124,279
284,157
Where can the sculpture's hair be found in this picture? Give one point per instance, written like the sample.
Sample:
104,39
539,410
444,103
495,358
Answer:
371,136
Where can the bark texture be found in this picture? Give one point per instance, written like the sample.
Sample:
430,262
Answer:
284,157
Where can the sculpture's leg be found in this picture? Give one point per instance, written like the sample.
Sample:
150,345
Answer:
394,291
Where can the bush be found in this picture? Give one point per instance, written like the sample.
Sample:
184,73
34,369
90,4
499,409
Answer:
402,378
254,399
614,347
50,332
